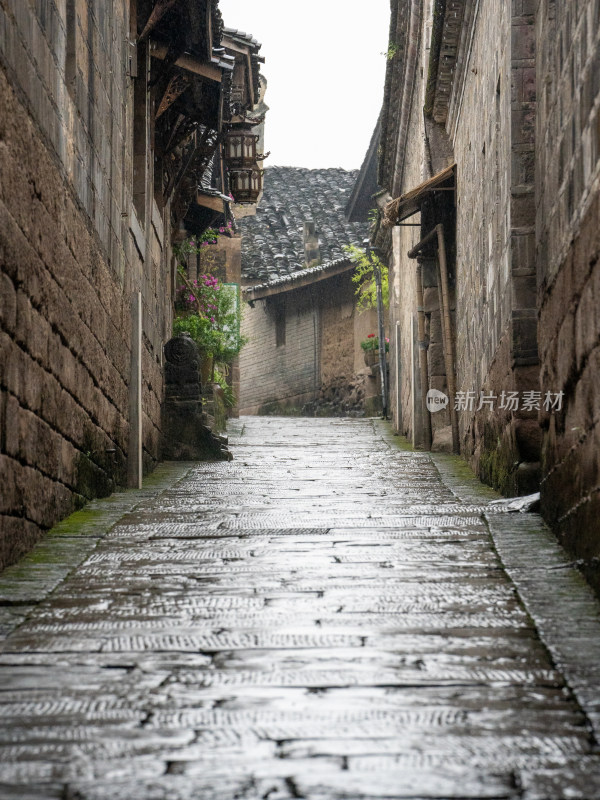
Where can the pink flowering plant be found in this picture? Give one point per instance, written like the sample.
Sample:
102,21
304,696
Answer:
372,343
208,310
199,296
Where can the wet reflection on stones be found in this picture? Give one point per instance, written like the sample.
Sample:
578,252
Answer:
321,618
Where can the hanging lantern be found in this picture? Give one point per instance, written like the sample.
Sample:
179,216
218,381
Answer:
240,147
246,184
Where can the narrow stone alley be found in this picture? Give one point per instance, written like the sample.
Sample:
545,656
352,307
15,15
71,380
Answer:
327,616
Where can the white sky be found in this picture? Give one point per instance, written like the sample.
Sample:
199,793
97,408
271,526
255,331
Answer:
325,67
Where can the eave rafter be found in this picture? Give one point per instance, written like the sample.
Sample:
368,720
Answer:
158,12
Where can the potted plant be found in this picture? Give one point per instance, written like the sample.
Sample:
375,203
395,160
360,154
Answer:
370,346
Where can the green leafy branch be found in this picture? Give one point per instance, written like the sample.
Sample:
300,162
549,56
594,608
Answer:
364,278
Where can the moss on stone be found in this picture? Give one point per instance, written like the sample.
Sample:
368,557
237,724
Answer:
498,459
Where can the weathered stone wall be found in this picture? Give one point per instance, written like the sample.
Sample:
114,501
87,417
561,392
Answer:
492,129
482,149
483,118
336,301
568,252
347,384
72,254
405,390
482,228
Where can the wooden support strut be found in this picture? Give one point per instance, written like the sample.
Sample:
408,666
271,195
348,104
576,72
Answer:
189,63
158,12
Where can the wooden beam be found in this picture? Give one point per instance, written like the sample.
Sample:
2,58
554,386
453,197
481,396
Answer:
206,201
229,44
189,63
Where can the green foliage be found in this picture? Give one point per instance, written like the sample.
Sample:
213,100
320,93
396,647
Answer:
364,278
217,335
221,378
206,308
193,245
373,216
393,48
199,328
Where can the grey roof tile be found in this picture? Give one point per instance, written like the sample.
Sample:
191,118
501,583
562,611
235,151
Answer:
272,241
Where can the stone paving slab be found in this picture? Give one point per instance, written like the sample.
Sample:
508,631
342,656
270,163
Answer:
330,615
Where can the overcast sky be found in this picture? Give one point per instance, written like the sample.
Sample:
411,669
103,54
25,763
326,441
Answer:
325,67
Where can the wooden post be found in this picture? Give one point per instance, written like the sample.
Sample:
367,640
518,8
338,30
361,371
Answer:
397,342
448,336
423,368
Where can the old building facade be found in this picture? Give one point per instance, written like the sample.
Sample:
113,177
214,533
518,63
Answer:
111,116
489,166
303,326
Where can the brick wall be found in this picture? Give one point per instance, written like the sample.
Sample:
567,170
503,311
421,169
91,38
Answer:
279,367
72,254
305,347
568,251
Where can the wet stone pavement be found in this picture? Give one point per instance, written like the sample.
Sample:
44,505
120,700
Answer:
325,617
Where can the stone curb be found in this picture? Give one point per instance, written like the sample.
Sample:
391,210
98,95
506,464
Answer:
563,607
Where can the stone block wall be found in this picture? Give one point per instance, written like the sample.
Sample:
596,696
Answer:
483,119
347,385
72,254
568,259
493,136
482,150
404,384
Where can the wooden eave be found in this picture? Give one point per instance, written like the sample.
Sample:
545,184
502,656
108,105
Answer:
409,203
210,201
235,47
249,54
290,283
446,67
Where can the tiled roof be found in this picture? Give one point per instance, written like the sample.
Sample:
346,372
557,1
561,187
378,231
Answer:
242,36
286,282
272,241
